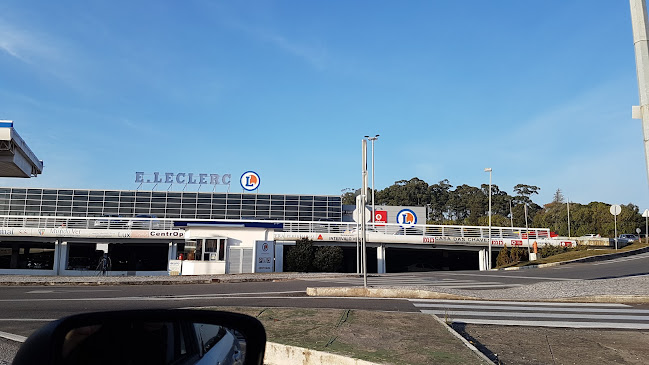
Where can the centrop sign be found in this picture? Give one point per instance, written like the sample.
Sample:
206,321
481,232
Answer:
183,178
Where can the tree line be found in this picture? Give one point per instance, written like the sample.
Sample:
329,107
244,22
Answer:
469,205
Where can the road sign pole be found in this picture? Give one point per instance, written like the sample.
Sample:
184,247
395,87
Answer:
615,231
615,210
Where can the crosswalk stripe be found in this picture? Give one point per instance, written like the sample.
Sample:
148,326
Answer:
549,304
527,308
539,315
561,324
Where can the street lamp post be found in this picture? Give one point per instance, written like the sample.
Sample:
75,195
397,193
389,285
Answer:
373,139
488,169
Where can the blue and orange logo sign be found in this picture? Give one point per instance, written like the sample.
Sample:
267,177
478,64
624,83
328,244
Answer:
406,218
250,181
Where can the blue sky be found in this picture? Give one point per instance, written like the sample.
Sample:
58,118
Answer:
541,91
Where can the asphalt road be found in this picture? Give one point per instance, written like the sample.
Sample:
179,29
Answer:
25,308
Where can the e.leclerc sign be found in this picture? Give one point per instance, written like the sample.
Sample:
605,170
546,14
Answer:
183,178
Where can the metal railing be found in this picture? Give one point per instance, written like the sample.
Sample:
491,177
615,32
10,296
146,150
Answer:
132,223
15,221
418,230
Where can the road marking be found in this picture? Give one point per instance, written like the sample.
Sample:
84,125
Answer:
230,294
530,308
67,291
621,259
511,276
542,315
550,304
11,336
560,324
26,319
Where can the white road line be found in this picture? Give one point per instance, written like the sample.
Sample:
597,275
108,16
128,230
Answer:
560,324
27,319
541,315
510,276
621,259
549,304
465,286
11,336
231,294
68,291
531,309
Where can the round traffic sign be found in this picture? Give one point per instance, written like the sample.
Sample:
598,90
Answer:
616,209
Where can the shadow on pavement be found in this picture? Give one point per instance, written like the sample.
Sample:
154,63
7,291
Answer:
620,276
461,329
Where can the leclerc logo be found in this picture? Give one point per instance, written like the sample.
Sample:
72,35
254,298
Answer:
250,181
406,218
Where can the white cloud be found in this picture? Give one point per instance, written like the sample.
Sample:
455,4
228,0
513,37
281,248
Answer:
28,47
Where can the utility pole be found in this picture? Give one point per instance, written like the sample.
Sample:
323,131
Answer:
362,213
641,45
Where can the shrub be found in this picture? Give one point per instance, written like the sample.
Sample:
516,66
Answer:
503,257
548,250
328,258
516,254
300,257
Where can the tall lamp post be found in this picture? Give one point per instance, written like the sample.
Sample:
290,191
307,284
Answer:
488,169
373,139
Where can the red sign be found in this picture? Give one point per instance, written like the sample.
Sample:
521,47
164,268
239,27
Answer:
517,243
380,216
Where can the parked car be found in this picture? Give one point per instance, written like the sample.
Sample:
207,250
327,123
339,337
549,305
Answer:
628,237
148,221
409,231
110,221
591,235
420,266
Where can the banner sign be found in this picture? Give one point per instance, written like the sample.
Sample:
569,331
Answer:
93,233
265,256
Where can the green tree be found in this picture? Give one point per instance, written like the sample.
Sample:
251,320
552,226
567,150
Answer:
413,192
300,257
328,258
524,193
439,194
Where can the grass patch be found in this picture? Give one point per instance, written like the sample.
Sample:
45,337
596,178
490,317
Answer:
383,337
582,253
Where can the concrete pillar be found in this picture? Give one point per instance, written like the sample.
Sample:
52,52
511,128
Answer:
173,251
15,255
57,254
61,256
482,259
380,259
279,257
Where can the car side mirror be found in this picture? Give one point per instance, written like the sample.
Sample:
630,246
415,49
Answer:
158,336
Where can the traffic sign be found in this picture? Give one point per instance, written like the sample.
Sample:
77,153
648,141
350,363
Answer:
616,209
645,214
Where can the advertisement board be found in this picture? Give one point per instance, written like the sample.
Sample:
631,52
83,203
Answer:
264,262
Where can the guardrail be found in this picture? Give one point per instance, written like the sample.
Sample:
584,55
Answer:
14,221
134,223
418,230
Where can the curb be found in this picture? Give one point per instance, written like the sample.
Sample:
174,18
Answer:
278,354
133,280
425,294
465,341
584,259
